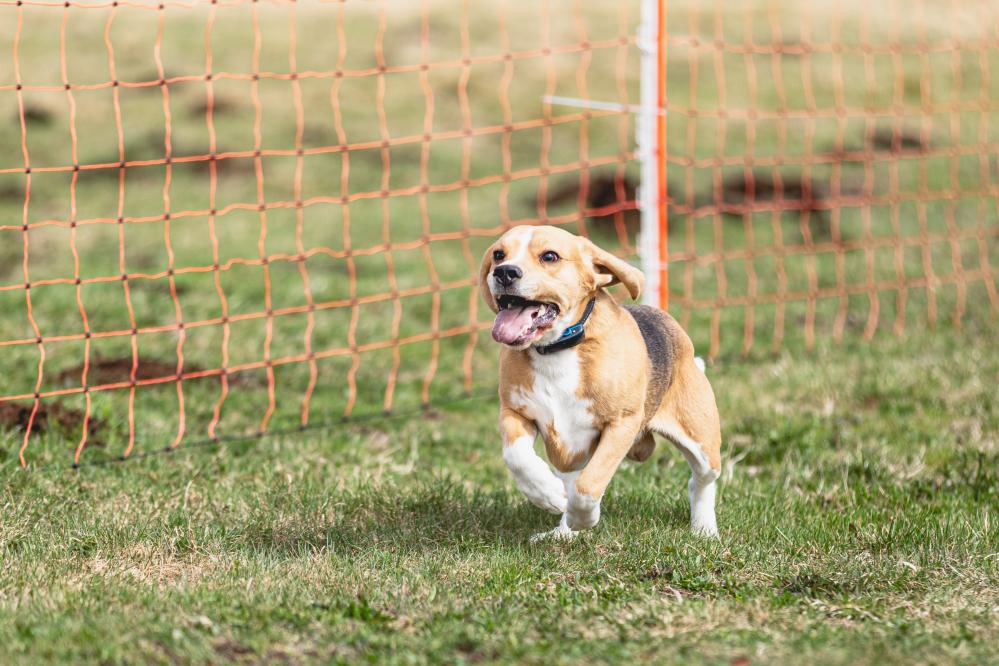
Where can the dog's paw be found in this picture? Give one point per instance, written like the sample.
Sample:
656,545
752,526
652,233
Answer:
561,532
583,512
705,528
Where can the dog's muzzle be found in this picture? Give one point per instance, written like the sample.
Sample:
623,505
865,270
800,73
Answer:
520,321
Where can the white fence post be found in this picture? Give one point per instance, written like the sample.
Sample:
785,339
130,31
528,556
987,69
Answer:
649,152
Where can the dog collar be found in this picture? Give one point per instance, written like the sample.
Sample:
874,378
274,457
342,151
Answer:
571,336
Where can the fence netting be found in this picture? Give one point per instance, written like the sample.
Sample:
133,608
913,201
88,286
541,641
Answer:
832,167
230,218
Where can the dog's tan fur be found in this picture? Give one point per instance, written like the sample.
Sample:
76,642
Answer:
627,399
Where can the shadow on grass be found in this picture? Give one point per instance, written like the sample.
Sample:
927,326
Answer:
435,516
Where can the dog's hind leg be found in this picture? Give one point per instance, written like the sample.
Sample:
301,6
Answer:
701,487
691,424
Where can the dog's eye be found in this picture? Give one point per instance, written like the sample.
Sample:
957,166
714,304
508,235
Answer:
498,255
548,257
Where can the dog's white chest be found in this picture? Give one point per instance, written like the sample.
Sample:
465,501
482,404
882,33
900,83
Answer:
554,403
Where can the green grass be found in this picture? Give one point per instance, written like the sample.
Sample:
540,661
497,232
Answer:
857,514
858,501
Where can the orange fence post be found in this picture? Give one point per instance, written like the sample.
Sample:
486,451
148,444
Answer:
661,186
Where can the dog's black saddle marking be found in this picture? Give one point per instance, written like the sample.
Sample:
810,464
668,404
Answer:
661,348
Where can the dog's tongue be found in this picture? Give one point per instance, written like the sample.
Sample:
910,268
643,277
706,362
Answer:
514,324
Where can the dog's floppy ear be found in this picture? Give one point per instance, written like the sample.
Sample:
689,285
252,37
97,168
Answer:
609,270
487,295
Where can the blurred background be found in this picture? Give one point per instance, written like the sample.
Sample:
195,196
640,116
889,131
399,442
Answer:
228,218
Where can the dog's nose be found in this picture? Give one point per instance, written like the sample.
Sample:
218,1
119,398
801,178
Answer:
507,274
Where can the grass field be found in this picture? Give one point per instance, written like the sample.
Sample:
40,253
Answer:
858,501
858,519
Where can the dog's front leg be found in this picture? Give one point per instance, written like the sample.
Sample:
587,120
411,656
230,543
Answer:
532,475
588,488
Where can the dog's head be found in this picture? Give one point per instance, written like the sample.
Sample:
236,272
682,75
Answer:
538,279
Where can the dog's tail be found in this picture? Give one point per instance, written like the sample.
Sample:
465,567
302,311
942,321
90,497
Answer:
699,362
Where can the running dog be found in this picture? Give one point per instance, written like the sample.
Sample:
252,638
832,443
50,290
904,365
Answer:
595,379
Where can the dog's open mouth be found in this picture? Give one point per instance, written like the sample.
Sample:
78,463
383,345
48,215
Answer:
520,321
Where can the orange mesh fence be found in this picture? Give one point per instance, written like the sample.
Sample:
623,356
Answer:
232,218
831,167
238,217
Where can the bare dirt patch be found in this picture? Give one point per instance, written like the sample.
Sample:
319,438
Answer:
50,415
119,370
603,192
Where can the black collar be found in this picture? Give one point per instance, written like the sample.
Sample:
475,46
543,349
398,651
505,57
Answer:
571,336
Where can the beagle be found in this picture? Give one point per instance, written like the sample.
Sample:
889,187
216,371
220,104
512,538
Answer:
593,378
